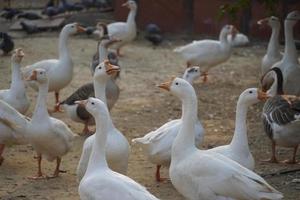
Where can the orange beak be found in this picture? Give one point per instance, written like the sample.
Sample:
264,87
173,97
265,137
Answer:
111,69
80,29
263,21
166,85
82,102
262,95
33,76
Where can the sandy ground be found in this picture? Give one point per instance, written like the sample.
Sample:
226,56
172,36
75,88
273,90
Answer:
142,107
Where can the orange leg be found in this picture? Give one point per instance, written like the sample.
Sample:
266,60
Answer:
57,170
57,104
273,159
2,146
39,173
86,129
157,175
293,160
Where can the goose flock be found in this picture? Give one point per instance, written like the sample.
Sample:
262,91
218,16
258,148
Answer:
223,172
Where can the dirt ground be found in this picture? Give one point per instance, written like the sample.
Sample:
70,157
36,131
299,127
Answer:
142,107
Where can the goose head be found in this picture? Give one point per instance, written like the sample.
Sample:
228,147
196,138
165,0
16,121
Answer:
104,70
228,29
18,55
101,29
272,82
272,21
292,18
39,75
73,28
178,87
95,107
191,74
131,5
252,96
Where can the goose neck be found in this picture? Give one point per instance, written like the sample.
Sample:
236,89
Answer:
16,79
63,46
185,140
131,16
40,111
102,53
97,159
100,88
273,46
290,52
240,138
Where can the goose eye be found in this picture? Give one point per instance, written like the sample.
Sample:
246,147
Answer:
100,68
41,72
176,83
250,92
93,103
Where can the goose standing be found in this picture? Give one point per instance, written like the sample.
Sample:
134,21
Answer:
16,97
124,31
289,65
208,53
49,136
200,174
281,115
238,149
157,144
99,181
273,54
117,152
60,71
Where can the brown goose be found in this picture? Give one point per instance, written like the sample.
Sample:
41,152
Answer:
281,115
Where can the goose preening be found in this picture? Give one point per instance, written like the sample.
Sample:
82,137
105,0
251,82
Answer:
124,31
99,181
77,113
200,174
289,65
273,54
157,144
50,137
60,71
117,152
16,97
208,53
281,115
238,149
6,44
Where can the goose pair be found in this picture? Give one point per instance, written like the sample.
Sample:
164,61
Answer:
208,53
99,181
50,137
60,71
117,151
289,64
16,97
201,174
281,115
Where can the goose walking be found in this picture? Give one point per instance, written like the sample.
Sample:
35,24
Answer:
200,174
60,71
99,181
50,137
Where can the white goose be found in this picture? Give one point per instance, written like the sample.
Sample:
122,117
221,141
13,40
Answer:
208,53
124,31
49,136
289,65
99,181
17,98
238,150
199,174
60,71
157,144
273,54
118,149
281,115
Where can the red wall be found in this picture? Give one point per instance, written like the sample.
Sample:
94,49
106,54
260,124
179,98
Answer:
173,16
